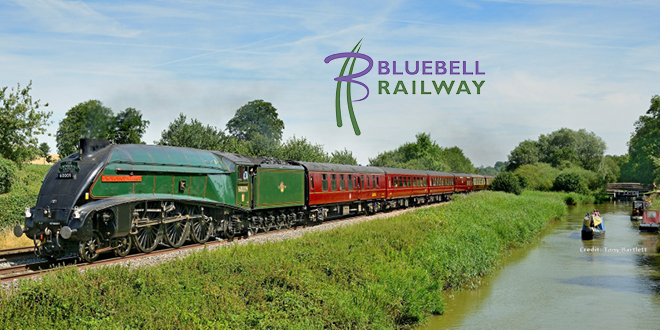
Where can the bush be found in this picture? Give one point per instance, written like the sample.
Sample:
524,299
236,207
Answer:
507,182
570,182
23,193
7,175
539,176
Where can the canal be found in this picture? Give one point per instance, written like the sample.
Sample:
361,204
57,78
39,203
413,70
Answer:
562,282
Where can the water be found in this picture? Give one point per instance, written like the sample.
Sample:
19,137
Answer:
563,282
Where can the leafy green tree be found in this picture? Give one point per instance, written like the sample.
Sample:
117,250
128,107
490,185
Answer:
21,120
569,182
539,176
343,157
234,145
262,146
44,149
492,170
85,120
644,147
256,117
425,154
7,175
302,150
192,135
129,127
507,182
562,148
527,152
609,170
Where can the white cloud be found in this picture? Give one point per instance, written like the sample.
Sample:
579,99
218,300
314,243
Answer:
74,17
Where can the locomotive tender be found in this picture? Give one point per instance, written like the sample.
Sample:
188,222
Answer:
119,197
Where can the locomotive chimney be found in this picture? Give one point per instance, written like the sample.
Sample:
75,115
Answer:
89,146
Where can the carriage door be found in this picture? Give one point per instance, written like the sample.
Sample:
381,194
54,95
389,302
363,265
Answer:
243,186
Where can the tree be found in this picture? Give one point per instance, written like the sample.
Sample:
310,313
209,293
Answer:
256,117
44,149
425,154
644,147
7,175
561,149
302,150
569,182
343,157
85,120
507,182
193,135
129,127
527,152
21,120
540,176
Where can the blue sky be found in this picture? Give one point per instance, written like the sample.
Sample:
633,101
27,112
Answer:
549,64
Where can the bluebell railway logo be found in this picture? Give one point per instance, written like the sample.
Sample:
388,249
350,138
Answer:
349,79
417,84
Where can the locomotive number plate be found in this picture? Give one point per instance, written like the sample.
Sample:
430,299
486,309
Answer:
65,175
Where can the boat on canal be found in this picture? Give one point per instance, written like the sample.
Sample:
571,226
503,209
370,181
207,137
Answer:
639,205
650,221
593,227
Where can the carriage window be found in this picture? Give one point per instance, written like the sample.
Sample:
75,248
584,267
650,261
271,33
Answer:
373,181
368,184
324,182
311,182
377,182
409,181
350,182
333,182
342,183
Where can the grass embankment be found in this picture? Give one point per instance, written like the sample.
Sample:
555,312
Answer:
571,198
386,273
12,204
23,193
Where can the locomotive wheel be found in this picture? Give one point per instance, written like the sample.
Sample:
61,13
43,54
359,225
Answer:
124,247
87,251
201,229
279,222
267,224
176,233
147,238
289,221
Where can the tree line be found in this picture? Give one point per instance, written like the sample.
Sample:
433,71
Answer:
569,160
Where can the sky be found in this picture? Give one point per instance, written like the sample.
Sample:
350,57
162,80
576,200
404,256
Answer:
548,64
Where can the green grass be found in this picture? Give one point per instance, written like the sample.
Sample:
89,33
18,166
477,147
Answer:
571,198
386,273
23,193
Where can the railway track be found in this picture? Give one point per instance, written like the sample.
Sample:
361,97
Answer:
41,267
17,252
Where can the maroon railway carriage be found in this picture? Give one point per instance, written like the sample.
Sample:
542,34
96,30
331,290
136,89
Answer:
478,182
462,182
441,185
489,180
336,190
405,187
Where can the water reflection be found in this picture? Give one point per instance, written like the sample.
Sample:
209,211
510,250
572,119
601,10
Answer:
563,281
